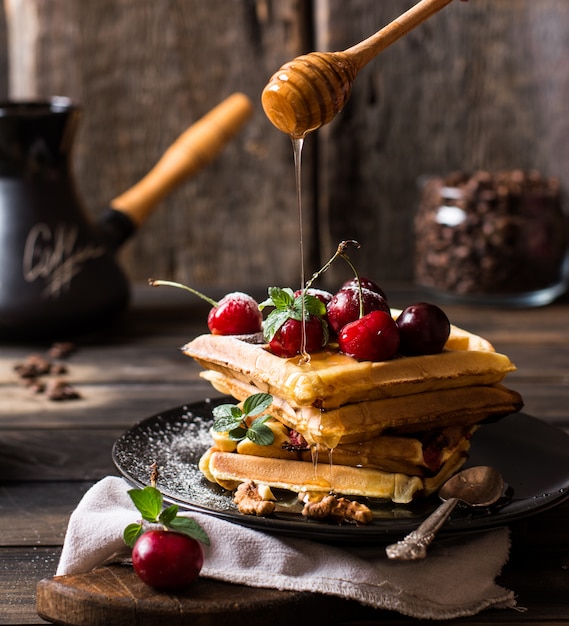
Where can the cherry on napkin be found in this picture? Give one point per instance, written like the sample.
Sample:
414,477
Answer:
455,580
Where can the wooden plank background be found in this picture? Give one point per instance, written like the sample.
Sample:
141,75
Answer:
482,84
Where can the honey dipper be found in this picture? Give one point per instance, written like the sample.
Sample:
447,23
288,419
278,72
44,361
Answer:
312,89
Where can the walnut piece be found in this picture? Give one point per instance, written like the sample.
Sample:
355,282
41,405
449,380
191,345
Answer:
338,509
250,502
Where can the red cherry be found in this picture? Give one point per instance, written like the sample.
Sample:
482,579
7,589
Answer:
366,283
373,337
167,560
424,329
345,306
286,342
235,314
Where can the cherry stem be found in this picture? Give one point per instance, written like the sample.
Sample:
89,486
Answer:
339,252
360,294
167,283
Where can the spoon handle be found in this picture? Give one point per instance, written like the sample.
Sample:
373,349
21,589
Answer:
367,49
414,545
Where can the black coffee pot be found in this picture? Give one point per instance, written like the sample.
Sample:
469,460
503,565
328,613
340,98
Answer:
58,275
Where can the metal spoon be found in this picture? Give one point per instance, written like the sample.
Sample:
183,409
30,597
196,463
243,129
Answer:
311,90
476,486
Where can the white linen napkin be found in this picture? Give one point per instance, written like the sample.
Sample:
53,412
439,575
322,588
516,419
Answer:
455,580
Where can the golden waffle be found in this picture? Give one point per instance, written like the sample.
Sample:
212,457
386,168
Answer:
230,469
362,421
366,421
331,379
390,453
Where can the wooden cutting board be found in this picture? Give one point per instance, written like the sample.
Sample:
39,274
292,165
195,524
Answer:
114,595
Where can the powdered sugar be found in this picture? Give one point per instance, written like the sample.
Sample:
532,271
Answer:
175,440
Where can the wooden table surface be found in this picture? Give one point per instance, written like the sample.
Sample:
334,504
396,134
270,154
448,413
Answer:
52,452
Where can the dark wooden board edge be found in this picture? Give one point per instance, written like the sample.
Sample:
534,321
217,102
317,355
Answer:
115,595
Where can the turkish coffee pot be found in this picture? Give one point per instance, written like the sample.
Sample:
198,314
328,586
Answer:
58,274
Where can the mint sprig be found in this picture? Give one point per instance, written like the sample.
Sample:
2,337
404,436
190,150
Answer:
231,418
287,306
149,502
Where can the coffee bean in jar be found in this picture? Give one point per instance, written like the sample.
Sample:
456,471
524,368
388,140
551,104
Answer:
492,237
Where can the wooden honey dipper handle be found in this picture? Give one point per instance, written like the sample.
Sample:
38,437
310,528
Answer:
192,151
363,52
312,89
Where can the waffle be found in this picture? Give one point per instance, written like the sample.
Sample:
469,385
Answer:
229,470
391,429
406,454
361,421
331,379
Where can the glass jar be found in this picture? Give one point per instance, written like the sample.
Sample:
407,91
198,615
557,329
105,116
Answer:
492,238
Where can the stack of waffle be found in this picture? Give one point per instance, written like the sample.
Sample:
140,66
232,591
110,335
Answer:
392,429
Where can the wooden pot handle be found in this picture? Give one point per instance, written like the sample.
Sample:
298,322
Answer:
193,150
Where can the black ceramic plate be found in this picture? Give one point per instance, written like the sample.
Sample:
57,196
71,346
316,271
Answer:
531,455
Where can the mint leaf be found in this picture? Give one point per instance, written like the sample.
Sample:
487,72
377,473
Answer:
257,403
287,306
227,410
168,514
189,527
281,298
131,533
313,305
274,321
237,433
259,433
227,424
229,417
237,428
295,312
148,501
